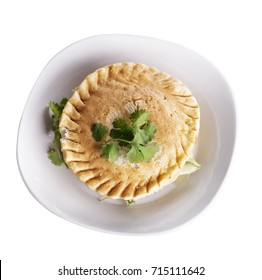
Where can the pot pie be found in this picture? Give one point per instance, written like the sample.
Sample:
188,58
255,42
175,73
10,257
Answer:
115,91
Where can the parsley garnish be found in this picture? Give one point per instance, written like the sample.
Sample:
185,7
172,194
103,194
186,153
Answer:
99,131
129,202
135,137
54,154
110,151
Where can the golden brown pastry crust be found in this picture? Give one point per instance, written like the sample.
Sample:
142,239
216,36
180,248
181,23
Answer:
115,91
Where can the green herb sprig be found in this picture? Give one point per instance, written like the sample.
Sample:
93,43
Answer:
54,154
135,137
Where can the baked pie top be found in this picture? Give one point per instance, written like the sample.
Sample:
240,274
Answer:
115,91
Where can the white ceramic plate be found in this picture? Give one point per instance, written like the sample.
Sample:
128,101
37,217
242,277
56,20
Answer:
57,189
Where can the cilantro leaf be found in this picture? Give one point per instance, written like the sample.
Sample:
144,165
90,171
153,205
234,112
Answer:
149,131
139,153
57,108
54,156
145,134
139,117
129,202
55,122
63,102
57,137
135,137
122,130
98,131
149,150
120,123
110,151
135,155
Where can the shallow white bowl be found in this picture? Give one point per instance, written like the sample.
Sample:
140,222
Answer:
57,189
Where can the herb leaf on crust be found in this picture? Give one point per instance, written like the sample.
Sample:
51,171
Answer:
99,131
134,136
110,151
139,117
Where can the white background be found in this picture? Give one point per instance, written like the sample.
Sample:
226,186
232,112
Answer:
226,237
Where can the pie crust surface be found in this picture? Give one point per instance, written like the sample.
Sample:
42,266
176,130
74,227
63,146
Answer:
115,91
